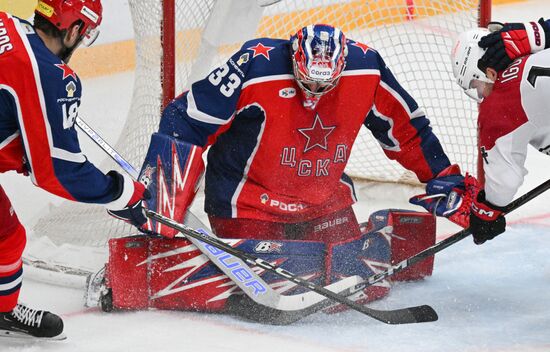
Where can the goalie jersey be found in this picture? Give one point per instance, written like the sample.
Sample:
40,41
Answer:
39,99
272,159
515,115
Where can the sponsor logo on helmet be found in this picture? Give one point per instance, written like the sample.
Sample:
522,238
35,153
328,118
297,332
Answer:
287,92
320,72
86,11
44,9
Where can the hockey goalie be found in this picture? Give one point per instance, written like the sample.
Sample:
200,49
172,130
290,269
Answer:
280,118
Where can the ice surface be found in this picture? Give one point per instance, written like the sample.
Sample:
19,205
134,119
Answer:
494,297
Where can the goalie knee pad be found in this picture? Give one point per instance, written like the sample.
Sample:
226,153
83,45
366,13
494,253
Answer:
410,232
172,171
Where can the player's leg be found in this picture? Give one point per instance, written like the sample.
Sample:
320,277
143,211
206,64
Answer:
17,319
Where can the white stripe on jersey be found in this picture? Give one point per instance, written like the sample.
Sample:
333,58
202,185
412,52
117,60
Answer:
198,115
267,79
362,72
8,140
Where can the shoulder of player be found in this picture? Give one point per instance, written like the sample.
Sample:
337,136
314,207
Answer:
362,57
265,57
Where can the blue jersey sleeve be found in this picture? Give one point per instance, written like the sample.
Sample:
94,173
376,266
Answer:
209,104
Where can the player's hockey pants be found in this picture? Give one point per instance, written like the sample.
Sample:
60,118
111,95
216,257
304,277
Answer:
12,243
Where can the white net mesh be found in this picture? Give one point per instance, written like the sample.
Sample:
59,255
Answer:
413,36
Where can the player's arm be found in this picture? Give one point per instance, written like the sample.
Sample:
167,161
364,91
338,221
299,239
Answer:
403,130
188,124
509,41
406,136
53,154
208,105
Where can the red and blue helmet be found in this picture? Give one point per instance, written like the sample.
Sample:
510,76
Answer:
319,58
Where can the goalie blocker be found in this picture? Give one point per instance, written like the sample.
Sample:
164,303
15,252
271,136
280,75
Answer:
154,272
172,172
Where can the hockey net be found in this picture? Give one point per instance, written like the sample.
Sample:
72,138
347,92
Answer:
180,41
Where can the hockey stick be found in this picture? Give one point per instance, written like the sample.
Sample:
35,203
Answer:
269,299
409,315
452,239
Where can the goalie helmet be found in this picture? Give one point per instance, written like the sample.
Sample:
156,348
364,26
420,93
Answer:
63,13
318,59
465,56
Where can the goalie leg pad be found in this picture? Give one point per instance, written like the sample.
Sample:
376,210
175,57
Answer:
410,232
172,172
364,255
146,272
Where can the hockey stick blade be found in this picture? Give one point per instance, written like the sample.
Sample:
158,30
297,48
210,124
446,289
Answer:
408,315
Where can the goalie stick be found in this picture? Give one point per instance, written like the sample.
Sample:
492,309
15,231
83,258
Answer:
270,299
301,304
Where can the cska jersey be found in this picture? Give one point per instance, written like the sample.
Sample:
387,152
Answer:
272,159
514,115
39,99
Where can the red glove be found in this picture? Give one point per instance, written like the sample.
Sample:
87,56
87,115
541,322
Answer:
511,41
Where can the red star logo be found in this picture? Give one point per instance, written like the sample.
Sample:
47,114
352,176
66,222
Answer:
361,46
317,134
67,71
260,49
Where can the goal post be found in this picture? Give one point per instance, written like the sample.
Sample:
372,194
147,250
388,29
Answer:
179,41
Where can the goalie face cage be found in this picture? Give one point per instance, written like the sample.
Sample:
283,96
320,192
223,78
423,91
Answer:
180,41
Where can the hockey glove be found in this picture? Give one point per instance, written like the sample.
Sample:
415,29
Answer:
132,213
512,40
486,220
449,195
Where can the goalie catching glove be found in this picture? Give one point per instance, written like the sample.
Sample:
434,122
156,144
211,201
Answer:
132,212
450,195
509,41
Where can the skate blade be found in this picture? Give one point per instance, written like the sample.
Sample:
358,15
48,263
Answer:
22,336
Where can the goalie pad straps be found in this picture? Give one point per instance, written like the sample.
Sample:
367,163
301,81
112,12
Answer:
172,172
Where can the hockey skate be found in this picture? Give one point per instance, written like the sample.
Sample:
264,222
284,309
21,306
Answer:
25,322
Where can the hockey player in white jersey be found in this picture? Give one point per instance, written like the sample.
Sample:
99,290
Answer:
513,113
